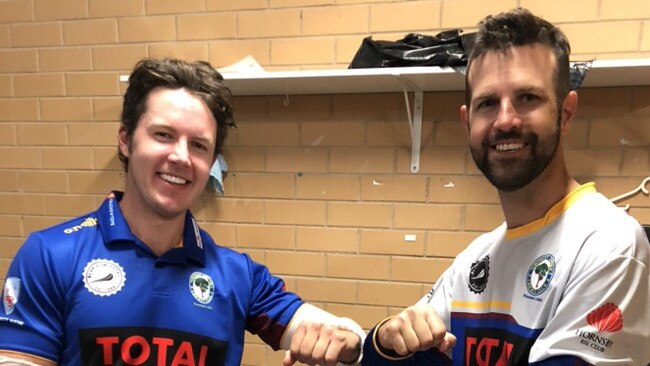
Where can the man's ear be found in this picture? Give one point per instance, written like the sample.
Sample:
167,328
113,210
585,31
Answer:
464,117
569,109
123,141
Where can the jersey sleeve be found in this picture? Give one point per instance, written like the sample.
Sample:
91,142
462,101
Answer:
32,321
603,316
272,306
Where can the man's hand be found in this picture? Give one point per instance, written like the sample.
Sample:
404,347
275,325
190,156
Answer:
320,344
417,328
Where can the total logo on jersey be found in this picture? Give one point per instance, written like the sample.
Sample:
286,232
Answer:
149,346
606,319
495,347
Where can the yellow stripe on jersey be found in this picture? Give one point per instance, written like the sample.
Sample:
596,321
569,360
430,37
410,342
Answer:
501,305
553,213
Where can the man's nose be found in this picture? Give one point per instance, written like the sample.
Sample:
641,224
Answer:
180,154
508,118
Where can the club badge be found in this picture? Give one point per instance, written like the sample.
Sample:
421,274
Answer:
11,294
201,287
540,274
478,275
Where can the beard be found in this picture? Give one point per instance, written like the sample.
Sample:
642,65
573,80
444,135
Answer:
512,174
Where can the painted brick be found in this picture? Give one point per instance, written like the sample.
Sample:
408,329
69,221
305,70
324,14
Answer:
264,185
224,234
466,189
328,240
335,20
645,37
593,163
250,108
603,37
225,209
316,289
57,10
483,217
92,134
425,270
467,13
94,182
44,182
267,134
269,23
358,266
36,34
295,212
6,86
391,242
107,109
21,204
636,162
173,7
615,187
303,108
65,59
35,223
18,110
9,226
300,51
13,61
14,11
90,32
298,3
44,134
328,186
9,181
337,133
269,237
106,159
393,188
557,11
20,157
604,102
389,293
216,5
40,85
296,263
447,243
578,134
206,26
245,158
254,354
442,106
66,109
185,51
421,15
5,38
429,216
396,133
640,214
624,9
68,205
365,316
92,84
227,52
115,8
7,134
146,29
620,132
296,160
362,160
117,57
448,160
640,106
364,107
72,158
449,133
359,214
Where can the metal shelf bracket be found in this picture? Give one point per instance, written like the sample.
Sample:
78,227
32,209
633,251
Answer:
414,120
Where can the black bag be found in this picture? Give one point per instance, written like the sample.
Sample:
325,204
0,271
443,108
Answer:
447,48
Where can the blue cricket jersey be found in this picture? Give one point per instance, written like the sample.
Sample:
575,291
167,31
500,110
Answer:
88,292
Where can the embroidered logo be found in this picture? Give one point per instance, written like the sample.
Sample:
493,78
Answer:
201,287
478,275
103,277
540,274
11,294
88,222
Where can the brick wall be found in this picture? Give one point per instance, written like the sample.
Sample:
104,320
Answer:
319,189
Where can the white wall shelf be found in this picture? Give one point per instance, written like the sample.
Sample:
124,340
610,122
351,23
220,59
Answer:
603,73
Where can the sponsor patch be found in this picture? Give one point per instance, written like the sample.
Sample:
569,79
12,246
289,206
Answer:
201,287
103,277
606,319
540,274
478,275
88,222
11,294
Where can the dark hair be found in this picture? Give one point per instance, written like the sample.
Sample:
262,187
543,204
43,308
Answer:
198,77
519,27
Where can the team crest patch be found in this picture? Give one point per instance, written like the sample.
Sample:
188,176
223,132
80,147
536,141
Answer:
540,274
103,277
201,287
478,275
11,294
